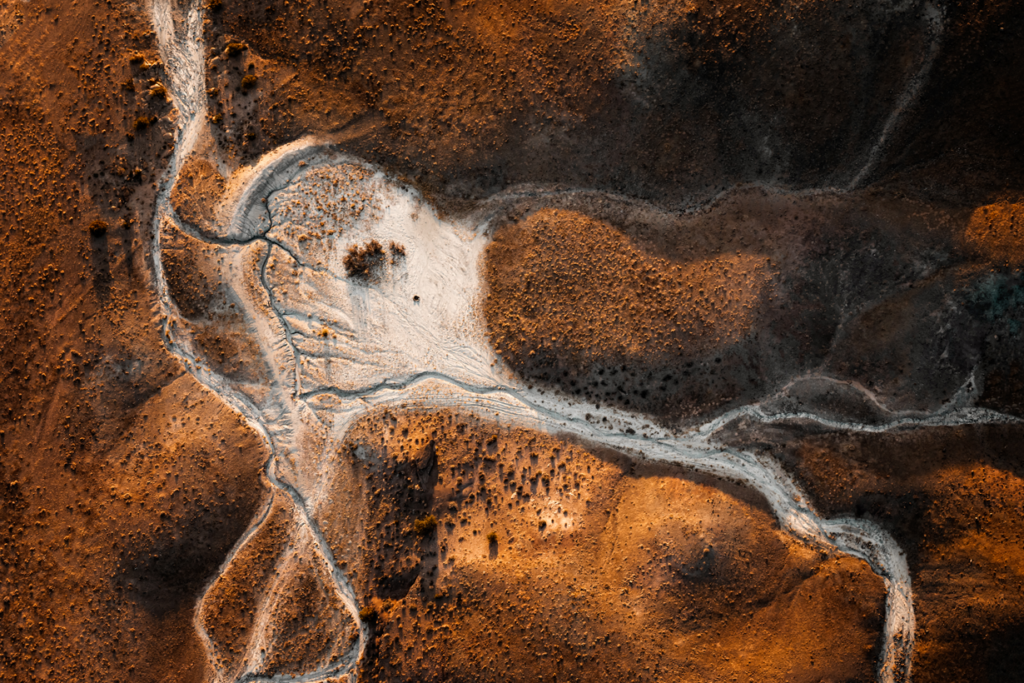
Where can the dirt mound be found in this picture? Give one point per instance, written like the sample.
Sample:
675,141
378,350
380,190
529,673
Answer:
547,558
197,191
574,301
660,311
951,498
997,231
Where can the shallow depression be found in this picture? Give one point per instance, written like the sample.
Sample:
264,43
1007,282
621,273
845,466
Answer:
372,286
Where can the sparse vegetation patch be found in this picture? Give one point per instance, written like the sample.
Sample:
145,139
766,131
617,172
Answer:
364,261
397,251
425,525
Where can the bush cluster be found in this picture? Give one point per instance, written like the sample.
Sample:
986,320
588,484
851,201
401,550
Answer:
364,261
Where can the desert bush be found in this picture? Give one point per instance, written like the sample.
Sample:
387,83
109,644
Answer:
425,525
363,261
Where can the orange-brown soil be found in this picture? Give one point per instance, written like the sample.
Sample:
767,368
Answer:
233,601
193,273
465,100
113,526
677,315
997,231
497,553
271,575
952,500
573,300
198,189
124,484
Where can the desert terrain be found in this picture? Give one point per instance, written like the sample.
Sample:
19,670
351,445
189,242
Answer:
489,340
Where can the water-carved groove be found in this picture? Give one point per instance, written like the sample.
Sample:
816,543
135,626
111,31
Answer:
181,49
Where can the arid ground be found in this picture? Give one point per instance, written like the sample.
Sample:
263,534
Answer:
803,219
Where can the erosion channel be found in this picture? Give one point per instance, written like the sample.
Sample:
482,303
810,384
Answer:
333,337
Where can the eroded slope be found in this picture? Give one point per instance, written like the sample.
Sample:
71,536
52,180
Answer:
952,499
681,314
498,553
